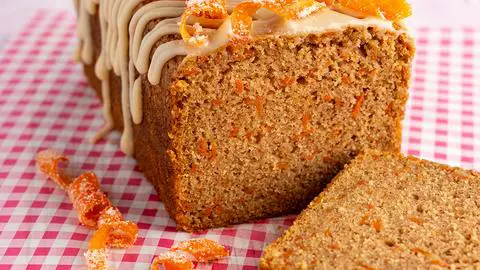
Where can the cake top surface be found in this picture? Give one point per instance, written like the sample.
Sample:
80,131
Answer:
385,211
241,19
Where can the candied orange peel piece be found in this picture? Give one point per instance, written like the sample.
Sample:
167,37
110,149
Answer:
93,208
172,260
96,255
203,250
204,9
242,15
182,255
393,10
121,233
53,164
87,199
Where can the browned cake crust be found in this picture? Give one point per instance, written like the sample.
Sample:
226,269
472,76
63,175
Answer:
258,129
386,211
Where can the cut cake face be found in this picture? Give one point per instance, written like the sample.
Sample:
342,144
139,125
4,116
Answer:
386,211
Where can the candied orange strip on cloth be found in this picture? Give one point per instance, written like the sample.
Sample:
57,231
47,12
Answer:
203,250
87,198
53,164
182,256
93,208
172,260
204,9
113,231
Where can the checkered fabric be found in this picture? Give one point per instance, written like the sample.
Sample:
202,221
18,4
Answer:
44,102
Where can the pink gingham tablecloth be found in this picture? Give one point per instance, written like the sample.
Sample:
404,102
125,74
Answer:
45,102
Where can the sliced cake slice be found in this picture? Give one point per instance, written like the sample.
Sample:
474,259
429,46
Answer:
386,211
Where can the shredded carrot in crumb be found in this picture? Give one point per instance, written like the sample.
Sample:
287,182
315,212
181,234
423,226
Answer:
334,246
234,132
364,219
306,118
441,263
421,251
366,266
361,183
327,98
282,165
217,102
358,105
248,101
249,135
213,152
259,105
377,225
327,232
417,220
370,206
193,168
203,147
239,87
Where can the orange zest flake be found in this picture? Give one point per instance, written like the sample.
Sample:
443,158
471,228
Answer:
53,163
203,250
87,199
393,10
358,105
242,15
172,260
205,9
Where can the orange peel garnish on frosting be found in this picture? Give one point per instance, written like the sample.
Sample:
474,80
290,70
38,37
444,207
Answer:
52,163
393,10
242,15
182,256
205,9
93,208
203,250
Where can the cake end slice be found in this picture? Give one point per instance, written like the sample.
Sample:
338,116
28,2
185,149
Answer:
386,211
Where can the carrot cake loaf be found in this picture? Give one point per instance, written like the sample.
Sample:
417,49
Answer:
386,211
246,109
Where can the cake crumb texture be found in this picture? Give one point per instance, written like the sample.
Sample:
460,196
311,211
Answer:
386,211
